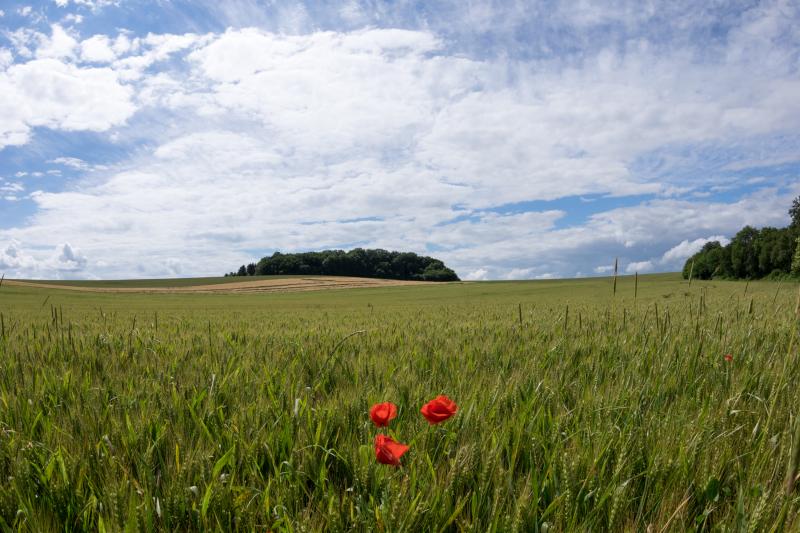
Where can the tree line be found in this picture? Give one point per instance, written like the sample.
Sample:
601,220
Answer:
751,254
360,262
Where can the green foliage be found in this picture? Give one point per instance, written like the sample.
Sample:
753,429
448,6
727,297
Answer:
234,412
796,259
751,254
794,212
357,262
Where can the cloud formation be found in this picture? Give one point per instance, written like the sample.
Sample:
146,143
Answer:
53,94
245,141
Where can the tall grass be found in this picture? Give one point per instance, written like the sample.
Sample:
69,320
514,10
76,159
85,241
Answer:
609,414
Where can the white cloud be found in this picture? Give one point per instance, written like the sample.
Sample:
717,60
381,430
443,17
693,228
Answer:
73,18
6,58
351,12
123,44
13,258
69,259
97,49
11,187
91,4
53,94
477,275
686,248
59,44
153,48
71,162
22,39
58,262
639,266
523,273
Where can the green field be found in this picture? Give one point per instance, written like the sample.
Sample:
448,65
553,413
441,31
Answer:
580,410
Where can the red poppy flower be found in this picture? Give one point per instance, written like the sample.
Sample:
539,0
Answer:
728,357
382,413
439,409
388,451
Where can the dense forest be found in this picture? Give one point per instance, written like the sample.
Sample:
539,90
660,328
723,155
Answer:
751,254
358,262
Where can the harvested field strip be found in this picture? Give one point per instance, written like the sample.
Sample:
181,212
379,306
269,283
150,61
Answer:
264,285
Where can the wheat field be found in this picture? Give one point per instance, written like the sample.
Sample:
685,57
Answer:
584,405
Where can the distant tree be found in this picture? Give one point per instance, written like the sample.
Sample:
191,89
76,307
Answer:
794,213
251,269
357,262
242,271
744,258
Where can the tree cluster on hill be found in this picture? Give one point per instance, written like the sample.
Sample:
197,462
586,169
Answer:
751,254
358,262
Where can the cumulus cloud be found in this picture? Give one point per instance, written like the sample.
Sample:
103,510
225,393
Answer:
477,275
686,248
58,90
69,259
98,49
639,266
63,260
12,258
59,44
54,94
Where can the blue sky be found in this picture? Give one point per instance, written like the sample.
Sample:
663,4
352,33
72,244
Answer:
511,139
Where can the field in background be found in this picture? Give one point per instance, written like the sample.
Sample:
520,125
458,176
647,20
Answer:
149,283
579,410
225,284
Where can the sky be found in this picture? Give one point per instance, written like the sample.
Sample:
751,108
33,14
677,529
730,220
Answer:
513,140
